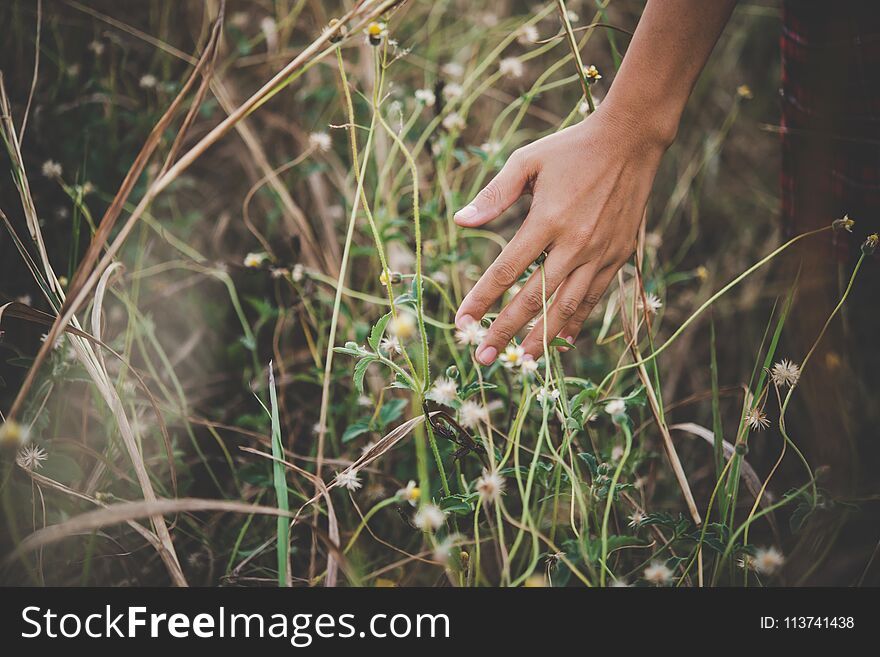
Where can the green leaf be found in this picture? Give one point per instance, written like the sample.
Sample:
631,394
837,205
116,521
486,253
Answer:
591,462
473,388
391,410
462,505
378,330
354,430
562,342
360,371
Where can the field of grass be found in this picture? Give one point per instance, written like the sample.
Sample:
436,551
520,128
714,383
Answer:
228,278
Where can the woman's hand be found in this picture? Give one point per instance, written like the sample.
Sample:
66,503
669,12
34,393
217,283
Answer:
589,186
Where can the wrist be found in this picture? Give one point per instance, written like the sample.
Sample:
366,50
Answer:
643,130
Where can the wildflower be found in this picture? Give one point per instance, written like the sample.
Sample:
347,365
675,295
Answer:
701,272
96,47
62,281
410,494
24,299
620,584
320,141
511,67
491,148
270,32
472,334
297,273
444,391
12,434
58,341
453,122
51,169
746,562
31,457
844,223
658,574
513,356
364,401
148,81
767,560
785,374
426,97
254,260
572,16
318,428
529,367
615,407
744,92
490,486
617,453
651,302
376,32
592,74
348,479
239,19
391,345
429,518
588,413
403,326
584,108
471,414
489,19
337,30
757,419
545,396
443,550
453,70
870,244
452,91
636,518
527,34
395,277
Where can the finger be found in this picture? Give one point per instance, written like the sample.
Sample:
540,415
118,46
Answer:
574,301
527,303
520,252
572,329
501,192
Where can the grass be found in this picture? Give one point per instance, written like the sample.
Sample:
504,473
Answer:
279,193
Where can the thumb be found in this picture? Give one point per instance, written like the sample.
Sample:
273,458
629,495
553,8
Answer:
501,192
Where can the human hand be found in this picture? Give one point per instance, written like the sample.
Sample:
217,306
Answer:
589,185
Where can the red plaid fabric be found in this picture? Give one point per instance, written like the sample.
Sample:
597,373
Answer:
831,115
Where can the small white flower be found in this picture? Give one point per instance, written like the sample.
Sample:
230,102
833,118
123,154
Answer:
767,560
785,373
426,97
148,81
529,367
270,31
429,518
490,486
348,479
615,407
572,16
31,457
239,19
658,574
364,401
58,341
546,395
470,335
391,345
616,453
12,434
757,419
513,356
471,414
318,428
453,70
489,19
254,260
297,273
443,550
51,169
636,518
527,34
651,302
453,122
452,91
511,67
410,494
320,141
444,391
491,148
403,326
96,47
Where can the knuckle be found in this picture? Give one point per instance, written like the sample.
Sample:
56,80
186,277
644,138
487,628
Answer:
532,301
491,193
591,299
568,306
499,334
503,274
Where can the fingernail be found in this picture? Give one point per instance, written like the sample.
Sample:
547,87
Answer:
569,338
464,321
486,354
467,212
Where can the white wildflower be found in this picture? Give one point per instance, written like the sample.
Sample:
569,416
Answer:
31,457
391,345
364,401
471,414
452,91
636,518
348,479
615,407
529,367
426,97
444,391
651,302
491,148
757,419
546,395
453,122
513,356
320,141
270,31
490,486
511,67
51,169
403,326
12,434
658,574
410,494
96,47
148,81
527,34
429,518
785,374
297,273
767,560
472,334
453,70
254,260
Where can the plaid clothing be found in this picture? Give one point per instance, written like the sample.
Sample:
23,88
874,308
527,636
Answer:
831,116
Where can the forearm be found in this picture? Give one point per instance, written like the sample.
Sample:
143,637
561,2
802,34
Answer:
670,47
